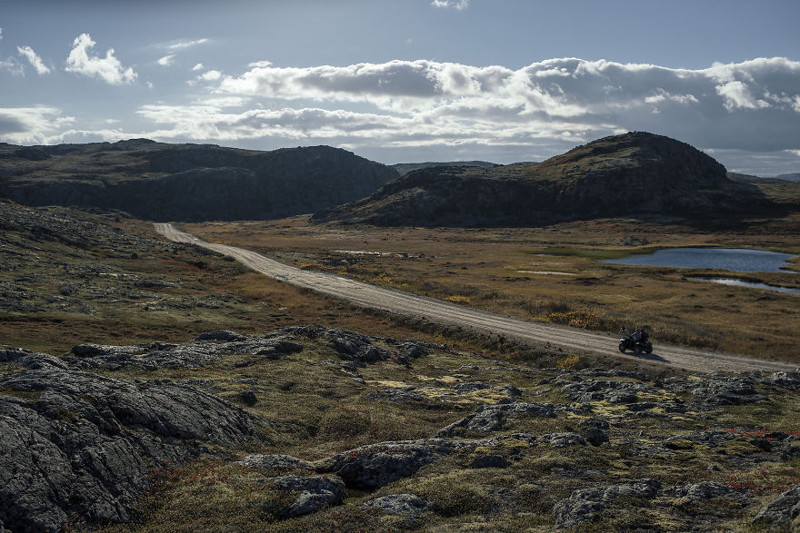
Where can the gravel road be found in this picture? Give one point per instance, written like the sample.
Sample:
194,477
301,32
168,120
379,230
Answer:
485,322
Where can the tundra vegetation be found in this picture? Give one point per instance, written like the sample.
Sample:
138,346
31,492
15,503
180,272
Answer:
554,273
372,422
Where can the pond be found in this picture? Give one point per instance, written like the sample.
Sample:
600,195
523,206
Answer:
735,259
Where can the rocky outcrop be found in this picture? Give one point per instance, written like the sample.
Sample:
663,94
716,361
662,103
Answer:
316,493
361,349
488,418
74,442
584,505
782,511
207,348
186,182
638,174
408,505
373,466
724,390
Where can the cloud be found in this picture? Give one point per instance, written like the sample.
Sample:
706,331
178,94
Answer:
108,69
35,61
1,34
211,75
167,60
456,4
186,44
31,125
747,112
754,104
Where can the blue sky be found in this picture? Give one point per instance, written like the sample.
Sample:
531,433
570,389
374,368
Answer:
407,80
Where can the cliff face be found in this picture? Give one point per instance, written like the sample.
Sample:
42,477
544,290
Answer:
626,175
188,182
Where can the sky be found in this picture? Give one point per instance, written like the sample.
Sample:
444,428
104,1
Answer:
407,80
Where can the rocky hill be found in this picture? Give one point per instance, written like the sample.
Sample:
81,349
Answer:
636,174
186,182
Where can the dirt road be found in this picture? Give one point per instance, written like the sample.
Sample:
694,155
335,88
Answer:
441,312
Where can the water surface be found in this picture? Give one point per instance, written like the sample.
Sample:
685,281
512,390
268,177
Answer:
734,259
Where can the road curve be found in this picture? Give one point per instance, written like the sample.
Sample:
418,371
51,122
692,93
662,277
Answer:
438,311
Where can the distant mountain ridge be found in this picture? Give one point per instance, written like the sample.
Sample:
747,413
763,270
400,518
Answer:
636,173
187,182
405,168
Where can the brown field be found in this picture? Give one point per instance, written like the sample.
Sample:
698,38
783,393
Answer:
553,274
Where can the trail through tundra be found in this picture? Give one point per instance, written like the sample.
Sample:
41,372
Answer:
438,311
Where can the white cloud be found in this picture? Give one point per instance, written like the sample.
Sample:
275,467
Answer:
13,66
108,69
457,4
35,61
167,60
405,110
750,105
186,44
1,34
737,96
31,125
211,75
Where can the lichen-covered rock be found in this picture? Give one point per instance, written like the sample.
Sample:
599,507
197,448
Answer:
785,380
409,505
724,390
489,418
206,349
274,462
373,466
73,442
584,505
782,511
316,493
562,440
706,490
29,359
356,347
613,391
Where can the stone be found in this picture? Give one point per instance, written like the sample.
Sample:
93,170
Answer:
221,335
373,466
785,380
488,418
782,511
316,493
707,490
562,440
274,462
584,505
409,505
718,391
206,348
76,442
